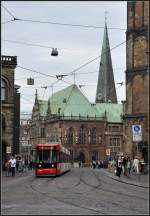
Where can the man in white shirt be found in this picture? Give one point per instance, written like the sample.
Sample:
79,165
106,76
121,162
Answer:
136,164
13,165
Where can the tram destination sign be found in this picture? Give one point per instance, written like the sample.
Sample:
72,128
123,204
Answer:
137,133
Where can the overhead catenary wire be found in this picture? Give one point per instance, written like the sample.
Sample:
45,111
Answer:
50,47
6,21
70,24
35,45
59,23
28,44
75,70
89,72
47,75
90,61
8,11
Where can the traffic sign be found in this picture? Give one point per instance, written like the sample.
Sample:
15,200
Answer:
137,133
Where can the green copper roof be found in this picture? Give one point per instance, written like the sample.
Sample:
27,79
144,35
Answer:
72,104
71,101
106,87
113,111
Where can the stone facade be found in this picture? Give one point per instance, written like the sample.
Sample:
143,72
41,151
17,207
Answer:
137,78
83,128
52,129
9,98
25,146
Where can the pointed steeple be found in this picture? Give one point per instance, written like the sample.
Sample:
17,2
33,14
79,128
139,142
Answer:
106,91
49,108
36,96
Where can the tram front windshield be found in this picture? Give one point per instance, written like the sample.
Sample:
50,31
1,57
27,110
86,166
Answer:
47,156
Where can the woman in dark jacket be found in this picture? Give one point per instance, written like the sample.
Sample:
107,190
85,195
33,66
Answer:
119,167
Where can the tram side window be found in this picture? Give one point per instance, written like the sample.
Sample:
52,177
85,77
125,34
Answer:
58,156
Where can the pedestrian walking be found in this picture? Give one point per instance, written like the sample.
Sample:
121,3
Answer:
17,164
128,166
136,165
26,164
119,167
94,164
124,165
31,165
7,168
20,168
12,162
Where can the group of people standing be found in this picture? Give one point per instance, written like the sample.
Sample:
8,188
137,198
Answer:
17,164
100,163
125,165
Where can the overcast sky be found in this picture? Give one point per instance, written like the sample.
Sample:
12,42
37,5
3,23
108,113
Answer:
76,45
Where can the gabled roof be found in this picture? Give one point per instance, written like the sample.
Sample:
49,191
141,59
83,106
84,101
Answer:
72,104
71,101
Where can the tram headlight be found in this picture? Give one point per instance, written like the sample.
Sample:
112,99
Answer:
52,165
39,165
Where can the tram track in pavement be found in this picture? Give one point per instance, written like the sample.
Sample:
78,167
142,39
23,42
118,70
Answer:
93,187
98,187
81,179
119,193
61,199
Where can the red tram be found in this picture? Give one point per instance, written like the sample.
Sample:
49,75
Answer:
52,159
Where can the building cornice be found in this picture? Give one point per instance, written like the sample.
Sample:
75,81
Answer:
134,116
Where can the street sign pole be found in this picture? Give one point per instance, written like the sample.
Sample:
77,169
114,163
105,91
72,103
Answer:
137,148
137,136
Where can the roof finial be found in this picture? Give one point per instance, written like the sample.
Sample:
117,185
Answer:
106,12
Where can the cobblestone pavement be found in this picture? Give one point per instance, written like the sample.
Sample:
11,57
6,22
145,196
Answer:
82,191
141,180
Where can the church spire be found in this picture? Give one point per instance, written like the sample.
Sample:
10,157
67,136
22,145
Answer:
36,96
106,91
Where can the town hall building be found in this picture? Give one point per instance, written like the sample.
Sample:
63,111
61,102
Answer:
89,130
